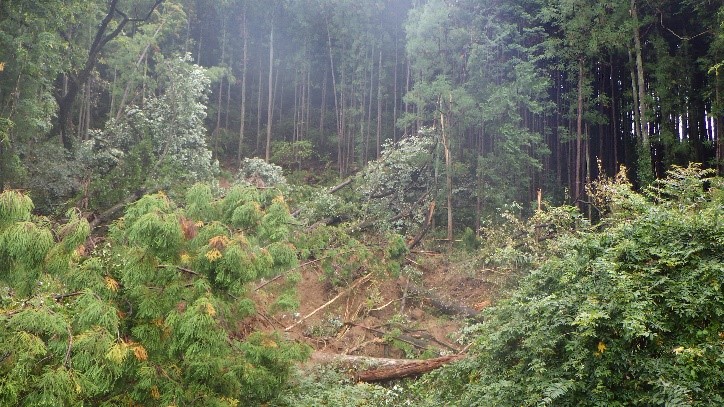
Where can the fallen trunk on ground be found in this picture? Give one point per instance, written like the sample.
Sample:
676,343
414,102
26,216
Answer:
370,369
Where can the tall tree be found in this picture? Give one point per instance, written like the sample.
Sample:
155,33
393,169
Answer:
77,78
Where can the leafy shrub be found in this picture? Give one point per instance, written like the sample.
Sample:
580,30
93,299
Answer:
260,173
628,315
286,153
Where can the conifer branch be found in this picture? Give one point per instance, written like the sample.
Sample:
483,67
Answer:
59,297
179,268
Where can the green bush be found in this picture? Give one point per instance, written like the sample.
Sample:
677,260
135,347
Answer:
630,315
151,316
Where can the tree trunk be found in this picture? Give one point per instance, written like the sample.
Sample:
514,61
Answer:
448,174
244,67
718,126
373,369
635,96
228,100
405,369
579,130
258,108
269,108
127,90
640,74
322,114
337,112
379,106
407,90
614,120
394,94
221,91
369,107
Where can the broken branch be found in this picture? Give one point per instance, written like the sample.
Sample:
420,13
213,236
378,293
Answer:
360,281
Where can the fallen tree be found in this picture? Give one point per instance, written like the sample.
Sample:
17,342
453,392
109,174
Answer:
371,369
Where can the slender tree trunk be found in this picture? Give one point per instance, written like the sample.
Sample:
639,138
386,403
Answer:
217,128
479,179
718,126
244,67
579,130
635,96
308,103
295,109
369,106
448,174
144,78
640,74
338,114
323,113
559,146
86,127
269,109
258,108
81,112
198,49
366,99
127,90
342,131
279,94
407,90
588,168
379,106
228,103
394,93
614,121
113,90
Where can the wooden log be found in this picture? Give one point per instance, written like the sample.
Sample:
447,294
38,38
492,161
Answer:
370,369
403,370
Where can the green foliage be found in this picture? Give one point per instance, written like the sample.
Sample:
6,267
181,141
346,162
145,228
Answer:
341,256
151,316
14,207
199,200
397,188
627,315
325,386
320,205
469,240
50,174
287,154
258,172
23,247
162,145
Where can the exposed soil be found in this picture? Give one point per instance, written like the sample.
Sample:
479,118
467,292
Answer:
379,317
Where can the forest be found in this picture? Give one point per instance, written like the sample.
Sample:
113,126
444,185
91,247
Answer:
361,202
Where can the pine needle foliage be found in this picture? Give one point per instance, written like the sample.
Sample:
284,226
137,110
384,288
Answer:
148,318
628,315
14,206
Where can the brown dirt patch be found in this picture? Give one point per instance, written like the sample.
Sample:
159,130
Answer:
377,318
